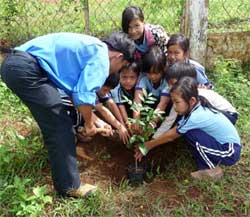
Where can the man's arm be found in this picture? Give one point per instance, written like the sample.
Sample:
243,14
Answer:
86,111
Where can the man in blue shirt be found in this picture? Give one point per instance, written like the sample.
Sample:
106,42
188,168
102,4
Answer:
79,65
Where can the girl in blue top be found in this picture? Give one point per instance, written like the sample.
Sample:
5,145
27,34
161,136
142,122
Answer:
178,50
153,64
145,35
212,138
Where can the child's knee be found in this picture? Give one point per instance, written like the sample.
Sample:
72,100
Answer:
230,161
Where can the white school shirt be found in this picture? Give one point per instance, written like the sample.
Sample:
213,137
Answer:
216,100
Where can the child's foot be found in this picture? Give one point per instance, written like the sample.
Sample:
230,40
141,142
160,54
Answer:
215,174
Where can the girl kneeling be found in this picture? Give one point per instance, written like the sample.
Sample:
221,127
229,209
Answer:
213,139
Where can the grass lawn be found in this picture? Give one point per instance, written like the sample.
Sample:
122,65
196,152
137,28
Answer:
26,187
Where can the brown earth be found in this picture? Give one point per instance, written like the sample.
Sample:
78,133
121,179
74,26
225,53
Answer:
104,160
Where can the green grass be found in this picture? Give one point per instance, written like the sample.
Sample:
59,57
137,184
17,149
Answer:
24,173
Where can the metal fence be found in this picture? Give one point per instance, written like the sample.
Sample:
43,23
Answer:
229,15
21,20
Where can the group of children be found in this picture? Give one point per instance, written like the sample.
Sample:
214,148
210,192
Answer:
182,90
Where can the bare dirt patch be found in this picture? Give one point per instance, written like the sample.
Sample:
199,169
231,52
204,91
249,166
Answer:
105,160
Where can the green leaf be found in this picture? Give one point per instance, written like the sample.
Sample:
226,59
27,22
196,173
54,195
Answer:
39,191
141,98
152,98
132,139
150,102
141,138
143,149
145,93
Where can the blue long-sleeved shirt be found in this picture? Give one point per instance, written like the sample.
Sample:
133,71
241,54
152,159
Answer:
76,63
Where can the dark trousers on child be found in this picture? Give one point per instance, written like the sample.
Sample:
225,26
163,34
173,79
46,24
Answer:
208,153
23,75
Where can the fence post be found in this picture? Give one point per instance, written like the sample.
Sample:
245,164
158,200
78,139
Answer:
194,26
86,15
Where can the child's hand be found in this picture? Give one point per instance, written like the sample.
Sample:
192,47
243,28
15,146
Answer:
123,134
136,129
138,155
141,151
107,130
88,130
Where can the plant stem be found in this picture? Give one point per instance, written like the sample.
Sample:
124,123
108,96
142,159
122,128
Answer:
136,165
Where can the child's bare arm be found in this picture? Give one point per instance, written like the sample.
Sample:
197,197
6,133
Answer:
137,99
166,137
123,113
164,100
115,110
109,117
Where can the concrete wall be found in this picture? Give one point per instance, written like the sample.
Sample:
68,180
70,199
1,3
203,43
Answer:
229,45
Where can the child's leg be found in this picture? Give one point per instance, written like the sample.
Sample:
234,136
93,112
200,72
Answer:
209,153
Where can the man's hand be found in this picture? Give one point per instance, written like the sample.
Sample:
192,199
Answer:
87,114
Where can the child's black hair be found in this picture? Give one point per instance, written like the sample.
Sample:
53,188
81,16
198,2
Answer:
135,67
119,41
130,13
112,80
179,39
188,88
154,59
179,70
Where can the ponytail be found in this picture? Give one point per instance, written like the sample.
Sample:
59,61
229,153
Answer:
205,103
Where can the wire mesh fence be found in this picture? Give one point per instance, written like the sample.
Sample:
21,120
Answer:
24,19
229,15
21,20
106,14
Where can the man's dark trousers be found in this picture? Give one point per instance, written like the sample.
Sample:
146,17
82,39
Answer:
23,75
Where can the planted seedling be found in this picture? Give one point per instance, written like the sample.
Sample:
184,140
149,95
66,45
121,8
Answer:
145,122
